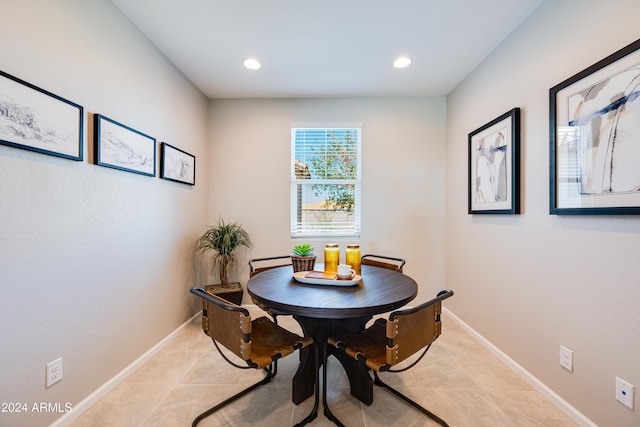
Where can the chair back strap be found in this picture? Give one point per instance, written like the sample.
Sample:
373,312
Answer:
383,261
226,323
253,269
412,329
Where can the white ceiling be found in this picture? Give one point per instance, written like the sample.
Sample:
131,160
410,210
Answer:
326,48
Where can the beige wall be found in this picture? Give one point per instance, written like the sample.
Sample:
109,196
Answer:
533,282
402,175
94,262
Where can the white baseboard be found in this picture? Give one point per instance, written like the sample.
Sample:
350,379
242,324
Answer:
90,400
562,404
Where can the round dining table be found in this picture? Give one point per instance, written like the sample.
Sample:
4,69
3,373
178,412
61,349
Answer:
327,310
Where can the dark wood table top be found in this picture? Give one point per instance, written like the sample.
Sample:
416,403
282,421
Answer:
381,290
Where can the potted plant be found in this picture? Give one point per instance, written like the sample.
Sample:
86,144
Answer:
223,239
303,258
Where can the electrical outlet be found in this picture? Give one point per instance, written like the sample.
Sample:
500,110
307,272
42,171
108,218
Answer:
624,392
54,372
566,358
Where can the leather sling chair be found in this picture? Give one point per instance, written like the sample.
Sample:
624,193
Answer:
377,261
253,270
388,342
258,265
259,343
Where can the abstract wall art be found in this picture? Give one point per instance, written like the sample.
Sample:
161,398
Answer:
594,138
494,166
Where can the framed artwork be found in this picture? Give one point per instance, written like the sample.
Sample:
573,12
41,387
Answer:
121,147
494,166
594,134
34,119
177,165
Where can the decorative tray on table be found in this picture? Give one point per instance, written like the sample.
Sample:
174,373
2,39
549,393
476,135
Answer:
323,278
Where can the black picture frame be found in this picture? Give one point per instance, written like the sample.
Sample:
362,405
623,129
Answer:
121,147
594,133
177,165
494,166
35,119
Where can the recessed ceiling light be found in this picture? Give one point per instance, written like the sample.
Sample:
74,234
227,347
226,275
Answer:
402,62
251,64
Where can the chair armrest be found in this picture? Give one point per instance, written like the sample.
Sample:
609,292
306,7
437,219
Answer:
201,293
442,295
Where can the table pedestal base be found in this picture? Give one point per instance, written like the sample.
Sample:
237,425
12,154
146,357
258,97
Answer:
321,329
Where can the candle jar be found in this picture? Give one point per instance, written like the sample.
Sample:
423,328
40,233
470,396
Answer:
331,257
352,255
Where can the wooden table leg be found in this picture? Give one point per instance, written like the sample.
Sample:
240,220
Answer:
359,378
320,329
304,378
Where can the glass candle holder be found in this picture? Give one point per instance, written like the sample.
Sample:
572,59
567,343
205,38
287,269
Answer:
331,257
352,255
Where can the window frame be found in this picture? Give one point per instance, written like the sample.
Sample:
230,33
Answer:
297,230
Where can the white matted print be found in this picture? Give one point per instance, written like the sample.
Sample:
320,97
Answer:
177,165
121,147
595,128
494,165
34,119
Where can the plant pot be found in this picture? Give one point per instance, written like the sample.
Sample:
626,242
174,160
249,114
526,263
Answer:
303,263
232,293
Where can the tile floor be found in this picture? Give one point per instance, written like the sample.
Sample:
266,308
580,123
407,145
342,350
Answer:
459,380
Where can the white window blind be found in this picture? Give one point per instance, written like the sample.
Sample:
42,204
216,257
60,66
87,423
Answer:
325,181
